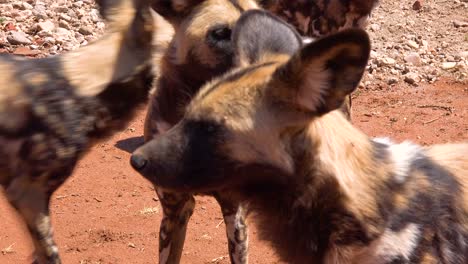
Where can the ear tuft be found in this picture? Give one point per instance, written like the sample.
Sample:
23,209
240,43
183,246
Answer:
326,71
259,34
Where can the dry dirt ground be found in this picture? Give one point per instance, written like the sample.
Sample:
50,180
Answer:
106,213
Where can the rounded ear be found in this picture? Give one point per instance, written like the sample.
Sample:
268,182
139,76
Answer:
322,74
174,10
259,34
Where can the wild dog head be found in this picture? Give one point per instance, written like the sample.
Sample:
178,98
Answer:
241,122
203,30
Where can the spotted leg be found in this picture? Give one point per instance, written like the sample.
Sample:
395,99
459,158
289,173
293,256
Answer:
177,210
31,199
236,229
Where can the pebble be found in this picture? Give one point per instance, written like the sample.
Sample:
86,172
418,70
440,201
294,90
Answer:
61,9
448,65
413,44
412,78
413,58
25,6
78,4
417,5
18,38
386,61
463,54
65,17
374,27
85,30
62,33
64,24
459,24
45,25
392,80
94,15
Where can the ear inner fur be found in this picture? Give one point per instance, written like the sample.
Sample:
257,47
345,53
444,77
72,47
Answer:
324,72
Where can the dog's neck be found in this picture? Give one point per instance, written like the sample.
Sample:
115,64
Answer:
331,198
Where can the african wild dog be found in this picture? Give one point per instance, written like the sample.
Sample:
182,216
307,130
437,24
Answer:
201,50
268,133
52,109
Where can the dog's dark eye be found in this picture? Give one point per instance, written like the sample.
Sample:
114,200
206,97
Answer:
220,33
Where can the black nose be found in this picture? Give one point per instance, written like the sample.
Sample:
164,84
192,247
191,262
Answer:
138,162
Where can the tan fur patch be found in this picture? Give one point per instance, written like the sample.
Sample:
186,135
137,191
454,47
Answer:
195,28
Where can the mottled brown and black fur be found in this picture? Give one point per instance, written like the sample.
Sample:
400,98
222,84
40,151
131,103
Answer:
200,50
318,18
268,133
53,109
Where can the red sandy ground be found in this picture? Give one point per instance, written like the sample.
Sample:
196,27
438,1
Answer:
99,213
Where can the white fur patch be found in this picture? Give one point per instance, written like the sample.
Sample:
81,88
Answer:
392,245
307,40
314,86
403,156
164,255
233,222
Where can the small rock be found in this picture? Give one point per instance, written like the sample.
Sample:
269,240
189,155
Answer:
387,61
85,30
23,15
448,65
450,58
463,54
62,32
424,44
64,24
413,58
49,40
25,6
10,27
26,51
61,9
46,26
94,15
80,13
417,5
18,38
53,50
413,44
40,12
412,78
374,27
7,7
78,4
458,24
65,17
79,37
100,25
392,80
